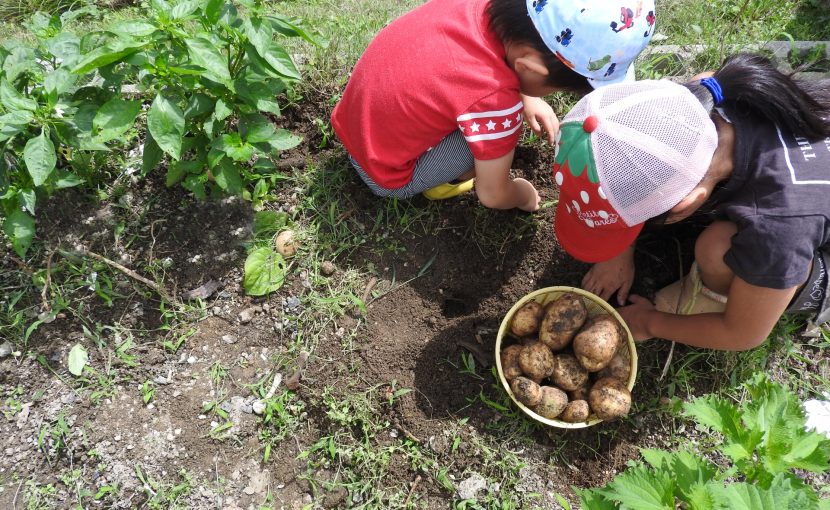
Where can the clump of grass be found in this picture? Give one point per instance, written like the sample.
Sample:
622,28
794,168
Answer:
20,10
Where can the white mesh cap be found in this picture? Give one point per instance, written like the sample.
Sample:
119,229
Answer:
652,145
626,153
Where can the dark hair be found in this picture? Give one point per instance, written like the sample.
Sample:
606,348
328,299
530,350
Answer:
753,84
511,23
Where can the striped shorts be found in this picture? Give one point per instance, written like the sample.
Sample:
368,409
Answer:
444,163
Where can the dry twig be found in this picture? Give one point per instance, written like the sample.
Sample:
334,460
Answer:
412,490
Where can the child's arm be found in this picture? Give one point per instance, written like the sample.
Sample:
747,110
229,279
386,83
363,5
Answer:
612,275
495,188
539,116
751,312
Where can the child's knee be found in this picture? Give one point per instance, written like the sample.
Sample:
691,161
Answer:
712,245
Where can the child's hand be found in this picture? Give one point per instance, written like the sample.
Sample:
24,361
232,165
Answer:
636,317
540,117
606,277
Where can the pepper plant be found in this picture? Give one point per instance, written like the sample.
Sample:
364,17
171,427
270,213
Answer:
201,77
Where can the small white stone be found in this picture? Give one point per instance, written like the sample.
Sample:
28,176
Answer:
259,407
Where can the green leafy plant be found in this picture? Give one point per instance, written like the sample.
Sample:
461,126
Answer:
765,442
198,79
265,268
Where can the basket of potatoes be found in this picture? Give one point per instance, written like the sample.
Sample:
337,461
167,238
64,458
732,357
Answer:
566,358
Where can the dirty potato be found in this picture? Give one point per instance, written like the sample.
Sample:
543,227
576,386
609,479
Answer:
510,362
536,361
568,374
562,320
619,367
552,403
526,391
597,342
609,398
576,411
527,318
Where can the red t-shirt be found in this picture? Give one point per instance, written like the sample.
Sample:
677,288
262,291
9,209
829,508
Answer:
435,69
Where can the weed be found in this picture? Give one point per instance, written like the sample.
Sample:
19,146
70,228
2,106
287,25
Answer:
148,391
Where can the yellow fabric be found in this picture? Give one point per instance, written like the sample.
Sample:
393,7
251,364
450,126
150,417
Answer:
449,190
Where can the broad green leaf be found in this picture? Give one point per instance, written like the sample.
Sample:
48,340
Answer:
284,140
213,10
722,416
133,28
151,156
205,54
20,228
703,496
28,199
184,9
66,46
214,156
63,179
264,271
291,29
221,111
165,120
19,60
13,100
57,82
255,128
590,499
198,104
107,54
78,358
639,488
178,170
114,118
809,451
261,36
14,122
196,184
232,145
259,94
227,176
40,158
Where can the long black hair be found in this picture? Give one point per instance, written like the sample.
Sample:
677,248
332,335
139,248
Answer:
753,84
511,23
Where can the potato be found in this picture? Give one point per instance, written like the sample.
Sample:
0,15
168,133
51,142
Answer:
285,243
619,367
597,342
562,320
527,318
609,398
526,391
576,411
536,361
510,362
552,403
568,374
580,393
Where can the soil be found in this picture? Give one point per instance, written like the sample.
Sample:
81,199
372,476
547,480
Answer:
477,268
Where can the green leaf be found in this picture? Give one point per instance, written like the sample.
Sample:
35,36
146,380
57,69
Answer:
290,29
66,46
227,176
591,499
703,496
14,122
20,228
107,54
639,488
40,158
261,36
78,358
255,128
723,416
198,104
221,111
57,82
178,170
19,60
64,179
114,118
264,271
260,94
184,9
284,140
213,10
232,145
151,156
12,99
206,55
28,199
196,184
165,121
133,28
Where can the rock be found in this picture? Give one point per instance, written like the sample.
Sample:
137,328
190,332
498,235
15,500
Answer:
6,348
229,339
250,491
335,497
258,407
469,488
328,268
246,315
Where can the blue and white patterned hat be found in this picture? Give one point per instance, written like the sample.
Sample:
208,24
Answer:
598,39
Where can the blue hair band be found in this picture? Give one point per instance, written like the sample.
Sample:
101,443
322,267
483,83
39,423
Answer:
714,87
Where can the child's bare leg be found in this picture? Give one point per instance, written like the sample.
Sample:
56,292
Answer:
710,248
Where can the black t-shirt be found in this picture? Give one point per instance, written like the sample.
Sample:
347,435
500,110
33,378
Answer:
779,196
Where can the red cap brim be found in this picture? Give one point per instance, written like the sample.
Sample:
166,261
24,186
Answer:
591,244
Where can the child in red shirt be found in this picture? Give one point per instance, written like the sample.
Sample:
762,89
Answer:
440,94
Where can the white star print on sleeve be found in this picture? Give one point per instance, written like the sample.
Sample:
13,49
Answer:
493,119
